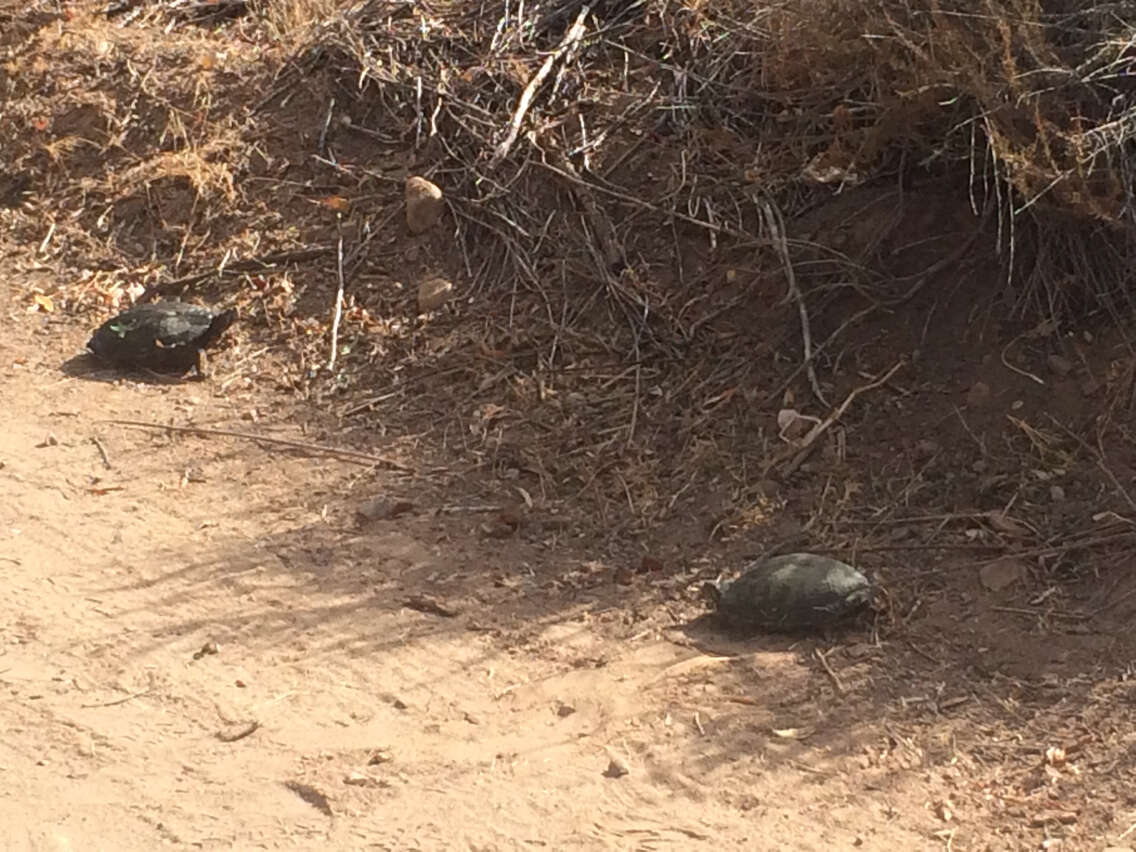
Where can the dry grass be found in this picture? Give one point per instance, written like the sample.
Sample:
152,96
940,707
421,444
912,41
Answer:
628,329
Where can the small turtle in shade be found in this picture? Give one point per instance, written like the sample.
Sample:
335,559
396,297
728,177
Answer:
793,592
165,337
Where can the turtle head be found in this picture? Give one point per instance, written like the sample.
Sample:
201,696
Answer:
219,325
710,592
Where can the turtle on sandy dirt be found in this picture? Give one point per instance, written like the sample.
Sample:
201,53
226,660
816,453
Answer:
165,337
796,591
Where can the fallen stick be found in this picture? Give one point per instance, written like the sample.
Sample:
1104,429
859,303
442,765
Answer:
255,264
807,443
316,449
571,37
338,316
776,227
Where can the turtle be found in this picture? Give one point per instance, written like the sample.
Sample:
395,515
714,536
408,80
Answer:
792,592
165,337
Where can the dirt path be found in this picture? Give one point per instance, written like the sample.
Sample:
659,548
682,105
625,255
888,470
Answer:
376,725
202,648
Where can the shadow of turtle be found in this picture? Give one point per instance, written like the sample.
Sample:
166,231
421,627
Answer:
87,367
712,634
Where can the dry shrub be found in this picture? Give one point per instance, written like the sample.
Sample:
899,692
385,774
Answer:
1026,101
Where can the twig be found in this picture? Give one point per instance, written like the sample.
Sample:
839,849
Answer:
430,606
824,662
810,439
117,701
1099,457
338,307
231,735
317,449
322,146
777,235
255,264
102,451
1069,616
571,37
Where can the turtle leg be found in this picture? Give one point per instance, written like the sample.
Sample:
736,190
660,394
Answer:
202,365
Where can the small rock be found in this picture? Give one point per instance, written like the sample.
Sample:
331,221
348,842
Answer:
1001,574
433,293
378,756
565,710
925,448
382,508
206,649
978,395
1056,493
356,779
399,704
617,767
767,488
1060,365
624,575
424,204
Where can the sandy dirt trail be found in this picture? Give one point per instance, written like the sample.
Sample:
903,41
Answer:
201,650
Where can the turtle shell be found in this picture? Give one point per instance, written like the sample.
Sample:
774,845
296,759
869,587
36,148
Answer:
165,337
795,591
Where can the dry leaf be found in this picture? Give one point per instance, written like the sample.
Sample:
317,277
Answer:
336,202
44,303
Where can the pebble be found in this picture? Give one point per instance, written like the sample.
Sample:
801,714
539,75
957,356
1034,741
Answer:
433,293
424,204
1060,365
978,395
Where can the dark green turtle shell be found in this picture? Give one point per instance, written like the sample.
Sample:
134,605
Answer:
796,591
165,337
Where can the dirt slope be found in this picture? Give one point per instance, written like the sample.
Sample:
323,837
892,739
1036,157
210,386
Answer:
203,648
421,731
